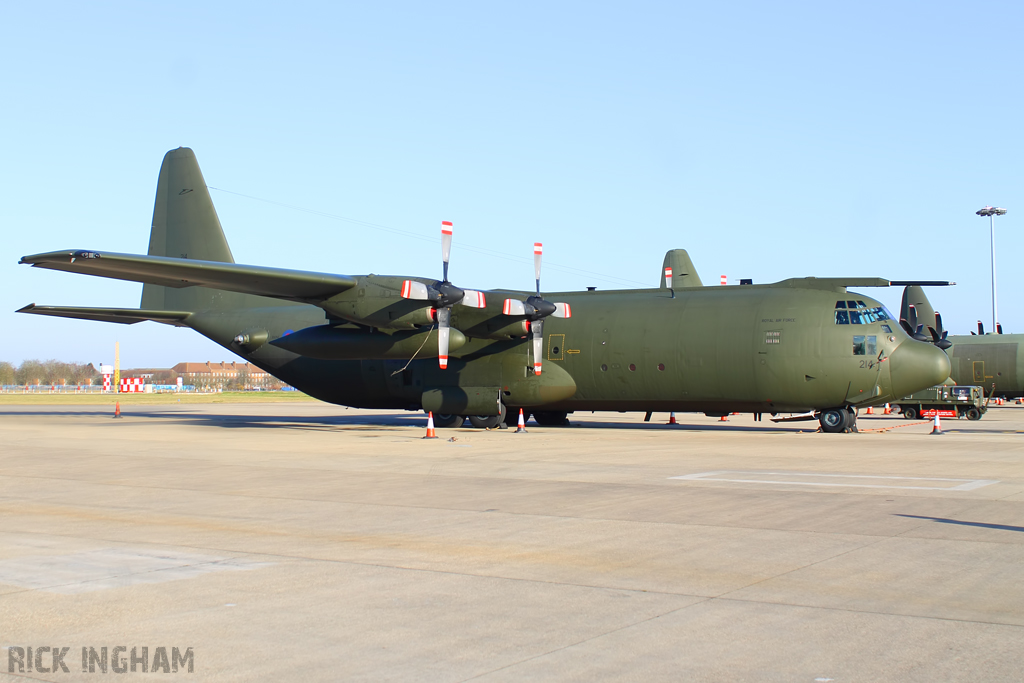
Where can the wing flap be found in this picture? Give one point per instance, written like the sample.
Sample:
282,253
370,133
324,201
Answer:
124,316
280,283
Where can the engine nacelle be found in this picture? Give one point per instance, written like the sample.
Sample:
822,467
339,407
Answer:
339,343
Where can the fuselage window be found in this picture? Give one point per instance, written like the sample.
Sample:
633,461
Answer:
855,318
842,318
840,304
886,329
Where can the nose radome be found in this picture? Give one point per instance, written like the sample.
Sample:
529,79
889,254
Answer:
916,366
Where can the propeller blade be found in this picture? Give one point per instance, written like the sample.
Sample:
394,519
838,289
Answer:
443,320
935,335
907,328
537,335
912,317
981,328
446,245
474,299
538,250
411,289
938,324
514,307
999,328
562,311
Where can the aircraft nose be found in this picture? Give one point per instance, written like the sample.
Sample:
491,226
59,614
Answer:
916,366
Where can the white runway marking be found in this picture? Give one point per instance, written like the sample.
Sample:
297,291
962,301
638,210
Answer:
97,570
876,481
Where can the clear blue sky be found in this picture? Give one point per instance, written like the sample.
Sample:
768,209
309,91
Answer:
771,140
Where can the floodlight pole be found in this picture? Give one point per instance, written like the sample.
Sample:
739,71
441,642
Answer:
992,212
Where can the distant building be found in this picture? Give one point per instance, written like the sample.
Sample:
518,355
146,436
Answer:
245,375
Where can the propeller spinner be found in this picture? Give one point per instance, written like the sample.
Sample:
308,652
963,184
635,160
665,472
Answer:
442,296
536,308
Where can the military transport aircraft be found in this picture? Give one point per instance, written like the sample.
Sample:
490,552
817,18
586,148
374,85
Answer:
981,359
396,342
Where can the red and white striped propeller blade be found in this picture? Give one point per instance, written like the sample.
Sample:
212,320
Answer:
514,307
411,289
443,319
562,310
537,335
474,299
538,250
446,245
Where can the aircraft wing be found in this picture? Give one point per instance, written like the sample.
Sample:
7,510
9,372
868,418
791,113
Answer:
293,285
125,316
841,283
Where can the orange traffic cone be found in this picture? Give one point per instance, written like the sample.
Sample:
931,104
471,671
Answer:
888,410
521,429
117,409
672,419
869,411
937,424
430,426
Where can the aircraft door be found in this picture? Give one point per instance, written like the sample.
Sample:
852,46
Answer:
978,367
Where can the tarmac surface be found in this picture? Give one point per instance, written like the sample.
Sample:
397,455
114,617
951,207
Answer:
310,542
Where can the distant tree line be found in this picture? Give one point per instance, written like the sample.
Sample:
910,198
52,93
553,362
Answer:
49,372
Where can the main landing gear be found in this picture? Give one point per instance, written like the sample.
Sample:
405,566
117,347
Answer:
444,421
838,420
510,418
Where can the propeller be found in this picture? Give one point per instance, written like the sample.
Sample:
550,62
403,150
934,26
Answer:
999,328
536,308
938,334
911,326
443,295
981,329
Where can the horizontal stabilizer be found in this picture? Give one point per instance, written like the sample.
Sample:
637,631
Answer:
124,316
293,285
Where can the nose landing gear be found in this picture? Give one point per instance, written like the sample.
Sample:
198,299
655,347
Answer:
838,420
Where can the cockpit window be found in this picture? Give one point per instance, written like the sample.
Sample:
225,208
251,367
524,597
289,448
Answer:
856,313
864,345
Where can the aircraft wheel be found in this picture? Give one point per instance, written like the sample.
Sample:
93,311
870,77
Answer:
973,414
442,421
489,421
549,418
910,413
834,420
512,417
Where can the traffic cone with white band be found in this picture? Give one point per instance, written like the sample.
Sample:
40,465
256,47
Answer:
521,429
430,426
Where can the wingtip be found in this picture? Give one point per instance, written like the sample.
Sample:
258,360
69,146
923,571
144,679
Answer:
26,309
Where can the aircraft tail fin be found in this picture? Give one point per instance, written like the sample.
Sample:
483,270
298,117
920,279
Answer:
913,295
185,225
684,274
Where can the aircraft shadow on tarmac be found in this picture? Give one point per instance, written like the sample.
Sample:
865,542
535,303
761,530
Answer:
380,420
983,525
